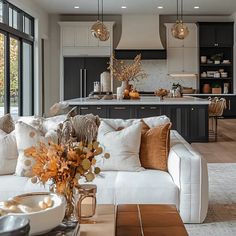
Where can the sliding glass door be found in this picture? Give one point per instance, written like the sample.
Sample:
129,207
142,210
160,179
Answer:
16,61
14,76
2,73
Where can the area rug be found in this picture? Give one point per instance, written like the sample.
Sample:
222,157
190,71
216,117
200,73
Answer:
221,217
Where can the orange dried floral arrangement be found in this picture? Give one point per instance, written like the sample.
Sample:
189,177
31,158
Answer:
64,164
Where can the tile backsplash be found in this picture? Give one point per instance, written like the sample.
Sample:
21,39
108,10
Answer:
157,77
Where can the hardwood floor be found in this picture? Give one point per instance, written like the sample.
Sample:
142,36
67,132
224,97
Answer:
224,150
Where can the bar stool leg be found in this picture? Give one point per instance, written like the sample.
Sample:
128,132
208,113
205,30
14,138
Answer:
216,124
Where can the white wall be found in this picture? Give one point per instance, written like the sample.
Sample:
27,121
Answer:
41,32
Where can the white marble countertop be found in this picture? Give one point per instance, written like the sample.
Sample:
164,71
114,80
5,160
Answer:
211,95
152,100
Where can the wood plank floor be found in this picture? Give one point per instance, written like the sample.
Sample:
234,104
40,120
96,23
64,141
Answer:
224,150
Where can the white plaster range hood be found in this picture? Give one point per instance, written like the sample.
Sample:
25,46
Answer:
140,33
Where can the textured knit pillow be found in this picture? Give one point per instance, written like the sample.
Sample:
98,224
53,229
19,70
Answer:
26,137
85,127
7,123
8,153
155,146
123,147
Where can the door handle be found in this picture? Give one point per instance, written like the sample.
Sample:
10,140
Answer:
85,83
119,108
229,105
81,83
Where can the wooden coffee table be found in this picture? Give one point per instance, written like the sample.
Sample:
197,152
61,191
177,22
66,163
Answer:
149,220
135,220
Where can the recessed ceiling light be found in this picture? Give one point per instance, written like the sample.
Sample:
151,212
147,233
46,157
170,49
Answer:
76,7
123,7
160,7
196,7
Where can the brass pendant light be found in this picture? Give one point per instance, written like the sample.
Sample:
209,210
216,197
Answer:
99,30
179,30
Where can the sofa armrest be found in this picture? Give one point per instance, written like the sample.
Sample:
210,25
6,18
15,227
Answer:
189,172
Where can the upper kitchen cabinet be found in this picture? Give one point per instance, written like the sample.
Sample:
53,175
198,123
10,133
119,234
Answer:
77,40
216,34
182,55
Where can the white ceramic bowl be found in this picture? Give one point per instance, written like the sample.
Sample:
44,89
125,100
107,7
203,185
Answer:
44,220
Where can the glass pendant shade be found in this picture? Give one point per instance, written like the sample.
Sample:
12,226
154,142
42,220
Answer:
100,31
179,30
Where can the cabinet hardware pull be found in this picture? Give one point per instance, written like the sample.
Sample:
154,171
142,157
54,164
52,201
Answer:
84,108
229,105
142,108
192,109
119,108
153,108
99,108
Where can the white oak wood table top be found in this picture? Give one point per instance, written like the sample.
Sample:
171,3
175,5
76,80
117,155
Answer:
105,222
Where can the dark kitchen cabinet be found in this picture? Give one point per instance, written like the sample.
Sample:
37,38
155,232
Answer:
80,73
216,34
216,38
230,111
121,112
100,111
147,111
190,121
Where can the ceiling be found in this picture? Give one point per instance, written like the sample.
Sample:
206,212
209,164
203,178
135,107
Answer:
206,7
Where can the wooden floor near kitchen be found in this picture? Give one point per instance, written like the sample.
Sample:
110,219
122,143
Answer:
224,150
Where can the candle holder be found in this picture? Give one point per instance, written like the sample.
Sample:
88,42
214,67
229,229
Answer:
86,204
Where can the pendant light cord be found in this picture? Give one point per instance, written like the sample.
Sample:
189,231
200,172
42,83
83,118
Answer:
102,11
181,10
98,10
177,13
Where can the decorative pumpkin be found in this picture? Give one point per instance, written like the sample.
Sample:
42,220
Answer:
134,94
126,94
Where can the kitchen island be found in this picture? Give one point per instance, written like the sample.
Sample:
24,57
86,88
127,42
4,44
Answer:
189,115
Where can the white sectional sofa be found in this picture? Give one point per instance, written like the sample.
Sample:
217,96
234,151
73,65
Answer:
184,185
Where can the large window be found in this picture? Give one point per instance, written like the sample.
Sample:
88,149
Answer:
16,60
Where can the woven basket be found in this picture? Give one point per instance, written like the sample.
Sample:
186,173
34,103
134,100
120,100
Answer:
217,106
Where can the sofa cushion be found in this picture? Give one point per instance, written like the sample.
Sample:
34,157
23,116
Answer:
122,145
8,153
148,186
155,145
7,123
26,137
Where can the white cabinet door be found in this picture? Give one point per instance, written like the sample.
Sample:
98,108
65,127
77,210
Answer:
175,60
68,36
81,36
190,60
92,41
191,40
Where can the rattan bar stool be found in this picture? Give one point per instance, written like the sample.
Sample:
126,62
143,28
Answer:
216,109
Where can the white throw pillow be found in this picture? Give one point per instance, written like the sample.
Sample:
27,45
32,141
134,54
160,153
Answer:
26,137
150,121
8,153
123,147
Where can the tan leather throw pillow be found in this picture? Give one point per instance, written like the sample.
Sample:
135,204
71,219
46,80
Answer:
155,146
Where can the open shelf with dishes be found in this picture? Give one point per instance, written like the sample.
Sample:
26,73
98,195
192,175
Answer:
216,57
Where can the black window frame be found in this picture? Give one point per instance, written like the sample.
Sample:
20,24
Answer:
23,37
